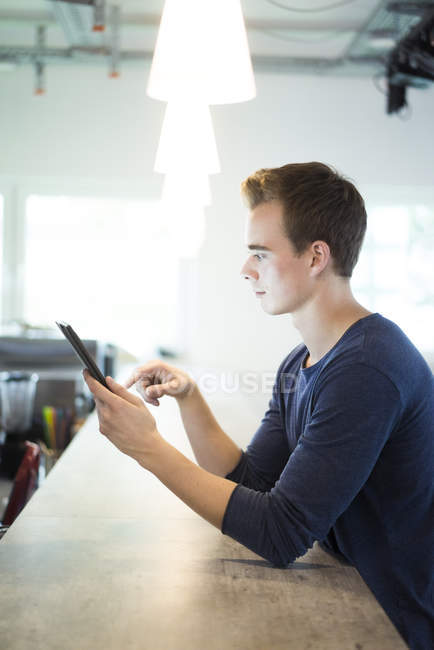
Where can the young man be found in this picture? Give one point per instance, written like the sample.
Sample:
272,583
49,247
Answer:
345,452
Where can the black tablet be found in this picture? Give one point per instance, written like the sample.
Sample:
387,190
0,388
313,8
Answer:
81,351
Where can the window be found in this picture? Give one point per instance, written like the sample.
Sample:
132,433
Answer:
106,265
1,252
395,272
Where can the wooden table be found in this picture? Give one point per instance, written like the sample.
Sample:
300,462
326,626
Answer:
105,558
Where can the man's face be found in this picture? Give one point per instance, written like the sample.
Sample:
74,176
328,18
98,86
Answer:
281,280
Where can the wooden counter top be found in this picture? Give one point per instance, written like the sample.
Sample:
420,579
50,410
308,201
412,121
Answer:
105,558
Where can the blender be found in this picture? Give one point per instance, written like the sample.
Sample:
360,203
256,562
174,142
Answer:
17,398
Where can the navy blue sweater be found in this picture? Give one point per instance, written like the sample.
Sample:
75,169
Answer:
345,455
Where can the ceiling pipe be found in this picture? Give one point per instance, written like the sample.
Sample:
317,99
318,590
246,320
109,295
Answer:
115,40
39,61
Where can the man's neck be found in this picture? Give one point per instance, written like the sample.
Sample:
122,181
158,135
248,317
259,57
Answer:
324,320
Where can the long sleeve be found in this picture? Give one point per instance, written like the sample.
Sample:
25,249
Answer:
267,454
354,411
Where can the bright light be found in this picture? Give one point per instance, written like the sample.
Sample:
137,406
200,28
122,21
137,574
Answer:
202,53
187,227
187,141
109,266
394,274
180,187
2,288
382,42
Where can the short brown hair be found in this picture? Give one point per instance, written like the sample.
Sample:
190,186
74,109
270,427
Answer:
318,204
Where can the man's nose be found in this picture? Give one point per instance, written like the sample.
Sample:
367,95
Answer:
247,272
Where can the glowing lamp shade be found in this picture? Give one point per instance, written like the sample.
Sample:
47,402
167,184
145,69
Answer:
187,140
187,227
202,52
187,189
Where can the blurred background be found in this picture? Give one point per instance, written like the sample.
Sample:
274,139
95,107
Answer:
84,238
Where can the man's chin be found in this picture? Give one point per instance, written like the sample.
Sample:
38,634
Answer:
272,310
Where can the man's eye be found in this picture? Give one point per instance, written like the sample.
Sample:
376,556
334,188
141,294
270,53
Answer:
258,256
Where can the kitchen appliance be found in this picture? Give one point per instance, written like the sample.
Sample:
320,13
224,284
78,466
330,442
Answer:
60,384
17,397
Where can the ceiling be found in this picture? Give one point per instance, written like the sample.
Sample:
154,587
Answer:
355,37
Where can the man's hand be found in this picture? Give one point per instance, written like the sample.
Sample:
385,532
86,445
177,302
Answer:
156,378
125,420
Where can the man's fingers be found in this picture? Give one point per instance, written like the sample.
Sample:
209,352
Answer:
158,390
105,396
142,390
132,379
99,391
155,379
146,374
119,390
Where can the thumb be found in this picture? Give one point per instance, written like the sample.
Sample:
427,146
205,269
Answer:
119,390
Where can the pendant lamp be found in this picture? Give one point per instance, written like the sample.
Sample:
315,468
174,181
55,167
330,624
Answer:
187,227
202,53
187,188
187,141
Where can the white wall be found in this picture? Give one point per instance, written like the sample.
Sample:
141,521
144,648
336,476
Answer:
90,127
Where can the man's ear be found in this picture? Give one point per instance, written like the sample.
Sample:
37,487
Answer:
320,256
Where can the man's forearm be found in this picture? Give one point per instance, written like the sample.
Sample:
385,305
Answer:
213,448
202,491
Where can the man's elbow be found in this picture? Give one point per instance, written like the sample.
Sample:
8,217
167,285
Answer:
279,563
279,558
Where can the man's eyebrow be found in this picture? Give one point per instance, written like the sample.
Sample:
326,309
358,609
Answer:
257,247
